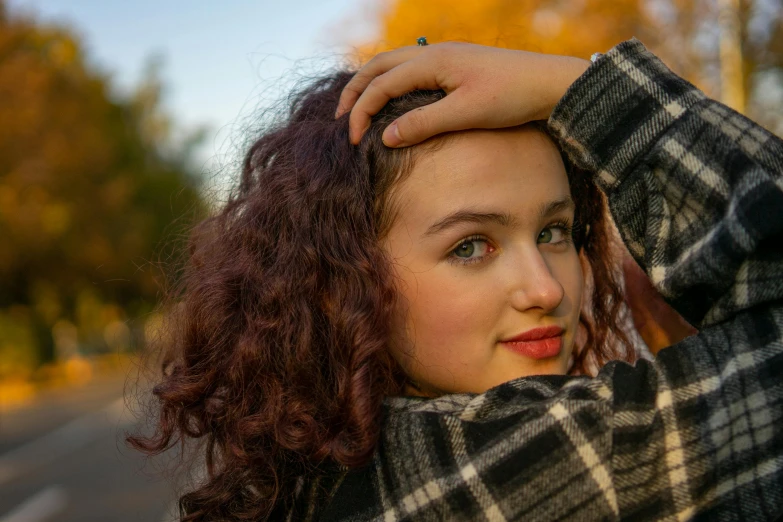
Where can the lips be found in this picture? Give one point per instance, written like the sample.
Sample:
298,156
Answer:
538,343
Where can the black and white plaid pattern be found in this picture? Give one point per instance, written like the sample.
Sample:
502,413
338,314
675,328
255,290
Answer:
697,192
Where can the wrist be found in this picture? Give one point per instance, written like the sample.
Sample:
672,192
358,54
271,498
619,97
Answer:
565,72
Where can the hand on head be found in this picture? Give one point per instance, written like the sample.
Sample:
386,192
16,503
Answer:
486,88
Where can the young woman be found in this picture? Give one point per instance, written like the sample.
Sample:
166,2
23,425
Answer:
369,333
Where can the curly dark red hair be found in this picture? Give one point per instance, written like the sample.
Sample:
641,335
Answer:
277,334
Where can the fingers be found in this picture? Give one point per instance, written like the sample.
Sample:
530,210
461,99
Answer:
375,67
408,76
445,115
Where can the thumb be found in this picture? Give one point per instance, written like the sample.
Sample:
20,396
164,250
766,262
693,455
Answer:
413,127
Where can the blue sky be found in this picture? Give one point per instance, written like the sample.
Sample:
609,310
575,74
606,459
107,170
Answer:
221,59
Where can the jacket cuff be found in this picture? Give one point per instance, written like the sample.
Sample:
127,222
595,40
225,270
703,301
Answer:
617,109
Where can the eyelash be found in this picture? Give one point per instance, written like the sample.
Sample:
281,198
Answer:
453,258
563,224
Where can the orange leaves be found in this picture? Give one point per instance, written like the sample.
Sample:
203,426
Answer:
560,27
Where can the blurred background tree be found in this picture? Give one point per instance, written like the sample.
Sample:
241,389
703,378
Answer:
686,34
90,184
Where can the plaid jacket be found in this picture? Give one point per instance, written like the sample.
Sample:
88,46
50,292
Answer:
697,192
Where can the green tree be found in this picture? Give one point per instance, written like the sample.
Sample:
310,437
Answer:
89,188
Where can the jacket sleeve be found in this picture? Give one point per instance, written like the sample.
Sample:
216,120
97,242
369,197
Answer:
697,192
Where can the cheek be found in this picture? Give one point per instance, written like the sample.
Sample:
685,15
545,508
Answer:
444,314
575,281
571,277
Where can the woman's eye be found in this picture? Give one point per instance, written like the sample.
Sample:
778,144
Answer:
555,234
471,250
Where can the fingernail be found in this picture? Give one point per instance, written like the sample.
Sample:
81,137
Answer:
391,136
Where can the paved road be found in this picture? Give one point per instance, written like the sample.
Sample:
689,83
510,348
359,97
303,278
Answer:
63,459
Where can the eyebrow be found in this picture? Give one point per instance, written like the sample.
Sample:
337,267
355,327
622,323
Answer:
504,219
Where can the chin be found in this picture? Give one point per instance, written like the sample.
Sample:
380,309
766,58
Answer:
553,366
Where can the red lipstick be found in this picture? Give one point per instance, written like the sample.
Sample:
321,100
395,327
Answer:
538,343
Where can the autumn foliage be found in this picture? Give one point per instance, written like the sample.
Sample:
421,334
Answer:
86,198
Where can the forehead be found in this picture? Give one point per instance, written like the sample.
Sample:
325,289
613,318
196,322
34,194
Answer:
512,170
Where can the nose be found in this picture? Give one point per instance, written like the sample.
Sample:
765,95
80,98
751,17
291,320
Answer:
536,287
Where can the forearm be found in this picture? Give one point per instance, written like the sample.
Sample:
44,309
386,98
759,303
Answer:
694,187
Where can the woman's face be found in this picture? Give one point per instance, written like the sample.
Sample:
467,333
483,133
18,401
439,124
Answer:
482,253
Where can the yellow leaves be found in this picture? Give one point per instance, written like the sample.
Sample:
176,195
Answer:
63,52
96,251
33,213
85,198
117,192
547,23
17,341
55,219
90,316
46,301
8,200
51,43
27,217
559,27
